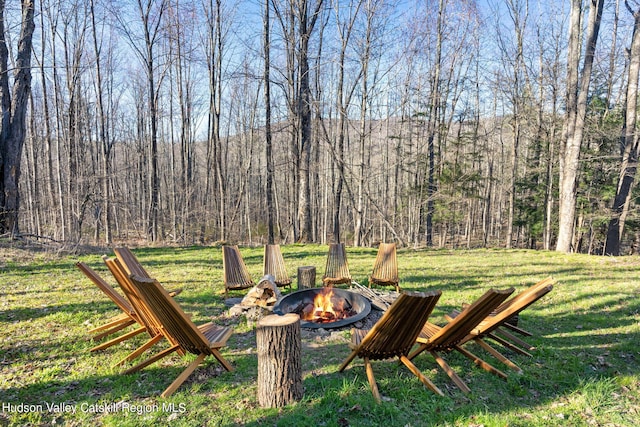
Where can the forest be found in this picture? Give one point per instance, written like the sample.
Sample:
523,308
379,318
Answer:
434,123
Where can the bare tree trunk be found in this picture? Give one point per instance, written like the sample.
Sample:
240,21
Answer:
630,144
267,125
33,169
150,13
370,10
432,126
611,80
151,32
214,178
60,199
343,100
13,107
554,70
577,98
105,143
288,28
306,25
50,177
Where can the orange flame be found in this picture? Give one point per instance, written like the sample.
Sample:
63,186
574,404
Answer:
323,307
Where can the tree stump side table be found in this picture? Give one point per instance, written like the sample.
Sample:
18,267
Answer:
279,347
306,277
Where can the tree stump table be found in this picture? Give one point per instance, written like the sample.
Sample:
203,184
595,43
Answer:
279,347
306,277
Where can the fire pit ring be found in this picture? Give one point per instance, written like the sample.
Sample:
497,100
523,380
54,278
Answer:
290,302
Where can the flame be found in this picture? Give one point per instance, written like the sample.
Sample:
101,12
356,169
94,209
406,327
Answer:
324,308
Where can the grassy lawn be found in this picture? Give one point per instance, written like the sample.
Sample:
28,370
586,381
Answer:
585,370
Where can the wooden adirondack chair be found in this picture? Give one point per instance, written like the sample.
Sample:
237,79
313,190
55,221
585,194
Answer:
235,273
496,321
130,262
204,340
385,267
436,339
117,323
544,286
394,335
337,269
146,318
273,264
132,265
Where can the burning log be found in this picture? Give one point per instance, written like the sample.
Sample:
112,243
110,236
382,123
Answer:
303,309
279,348
326,308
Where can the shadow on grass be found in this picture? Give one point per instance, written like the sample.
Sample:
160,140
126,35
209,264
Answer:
563,357
79,309
344,399
586,342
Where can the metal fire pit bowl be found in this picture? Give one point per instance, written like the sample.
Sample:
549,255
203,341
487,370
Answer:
289,302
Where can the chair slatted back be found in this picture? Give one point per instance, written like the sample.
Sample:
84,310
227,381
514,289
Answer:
118,299
385,267
396,331
462,325
236,275
173,318
145,317
337,268
273,264
130,262
515,305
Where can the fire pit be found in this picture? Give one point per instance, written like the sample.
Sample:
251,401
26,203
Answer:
324,307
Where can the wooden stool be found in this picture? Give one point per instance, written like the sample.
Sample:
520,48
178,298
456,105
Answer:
279,347
306,277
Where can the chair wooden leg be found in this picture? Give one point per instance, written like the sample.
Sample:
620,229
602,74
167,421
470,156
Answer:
111,331
509,345
481,363
348,360
495,353
137,352
118,339
417,351
118,323
183,376
426,381
372,381
152,359
452,374
517,341
225,364
517,329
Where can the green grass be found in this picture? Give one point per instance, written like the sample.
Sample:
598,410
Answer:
585,370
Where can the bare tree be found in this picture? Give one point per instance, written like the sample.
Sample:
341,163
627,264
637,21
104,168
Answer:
435,102
286,18
343,101
630,142
13,105
518,12
427,129
576,99
306,22
267,124
150,13
105,142
215,179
